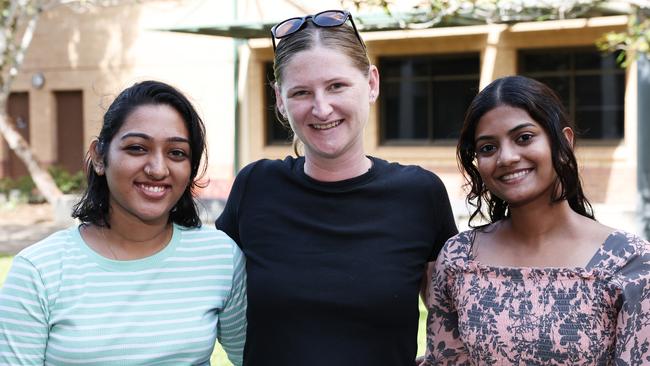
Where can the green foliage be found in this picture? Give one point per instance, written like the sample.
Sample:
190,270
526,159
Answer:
27,192
23,185
478,11
6,184
66,182
634,41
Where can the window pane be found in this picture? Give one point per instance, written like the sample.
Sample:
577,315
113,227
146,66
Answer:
451,100
404,107
590,84
561,86
394,69
276,133
536,61
424,98
459,65
599,105
589,60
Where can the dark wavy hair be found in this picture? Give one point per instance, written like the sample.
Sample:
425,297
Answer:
543,106
93,206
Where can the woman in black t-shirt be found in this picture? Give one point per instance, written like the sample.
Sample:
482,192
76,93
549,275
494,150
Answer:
337,242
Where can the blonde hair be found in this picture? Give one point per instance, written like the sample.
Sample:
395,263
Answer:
342,38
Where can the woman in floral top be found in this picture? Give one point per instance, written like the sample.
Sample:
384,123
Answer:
542,283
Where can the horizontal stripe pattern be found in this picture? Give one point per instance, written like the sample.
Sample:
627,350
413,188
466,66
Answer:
64,304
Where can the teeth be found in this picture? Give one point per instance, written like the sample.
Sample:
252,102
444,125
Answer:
516,175
327,125
155,189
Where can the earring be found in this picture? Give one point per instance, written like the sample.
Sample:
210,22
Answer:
99,168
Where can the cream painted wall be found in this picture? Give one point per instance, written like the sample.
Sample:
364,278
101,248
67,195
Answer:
104,50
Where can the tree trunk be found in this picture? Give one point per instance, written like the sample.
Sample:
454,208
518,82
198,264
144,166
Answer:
41,177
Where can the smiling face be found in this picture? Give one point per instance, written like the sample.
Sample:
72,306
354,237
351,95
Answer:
327,100
513,156
147,165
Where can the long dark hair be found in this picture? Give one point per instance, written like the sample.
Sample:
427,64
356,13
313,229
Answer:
544,106
93,206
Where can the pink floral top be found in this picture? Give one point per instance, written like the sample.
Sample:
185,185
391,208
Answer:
597,315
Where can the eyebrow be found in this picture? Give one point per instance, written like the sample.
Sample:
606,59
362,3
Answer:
514,129
147,137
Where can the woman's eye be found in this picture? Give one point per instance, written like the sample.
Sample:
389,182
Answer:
336,86
486,149
526,137
299,93
135,149
178,154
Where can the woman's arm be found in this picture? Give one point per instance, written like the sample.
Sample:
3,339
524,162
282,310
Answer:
633,323
23,316
231,329
444,346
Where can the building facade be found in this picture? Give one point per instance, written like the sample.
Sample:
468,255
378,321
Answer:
428,77
79,60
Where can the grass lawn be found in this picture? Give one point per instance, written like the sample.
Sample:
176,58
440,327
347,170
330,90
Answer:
219,357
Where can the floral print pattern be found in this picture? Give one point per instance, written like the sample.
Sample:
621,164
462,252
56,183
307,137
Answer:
596,315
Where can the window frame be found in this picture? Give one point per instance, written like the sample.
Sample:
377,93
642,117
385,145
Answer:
270,118
572,73
429,79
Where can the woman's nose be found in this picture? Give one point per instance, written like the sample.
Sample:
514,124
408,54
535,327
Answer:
321,107
508,155
156,167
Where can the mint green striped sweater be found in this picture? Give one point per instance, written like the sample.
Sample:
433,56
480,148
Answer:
64,304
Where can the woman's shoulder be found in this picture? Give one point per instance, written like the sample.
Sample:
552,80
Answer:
54,245
458,247
264,170
273,164
206,237
203,233
413,175
622,249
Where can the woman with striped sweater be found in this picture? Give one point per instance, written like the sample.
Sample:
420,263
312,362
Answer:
139,281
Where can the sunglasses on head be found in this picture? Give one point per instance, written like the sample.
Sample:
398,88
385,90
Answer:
327,18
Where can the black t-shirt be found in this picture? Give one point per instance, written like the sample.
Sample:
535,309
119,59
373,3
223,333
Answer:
334,268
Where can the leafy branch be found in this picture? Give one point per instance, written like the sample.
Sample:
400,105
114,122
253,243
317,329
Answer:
634,41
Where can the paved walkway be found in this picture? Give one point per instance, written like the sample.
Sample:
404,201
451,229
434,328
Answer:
22,225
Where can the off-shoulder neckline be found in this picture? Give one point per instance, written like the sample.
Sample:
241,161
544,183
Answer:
589,267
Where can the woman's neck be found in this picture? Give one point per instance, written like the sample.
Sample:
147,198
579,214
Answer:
128,238
550,236
333,170
534,225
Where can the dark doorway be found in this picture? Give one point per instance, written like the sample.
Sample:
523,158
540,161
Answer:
69,130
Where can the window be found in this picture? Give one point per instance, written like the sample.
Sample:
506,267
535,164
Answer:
276,132
589,83
423,98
